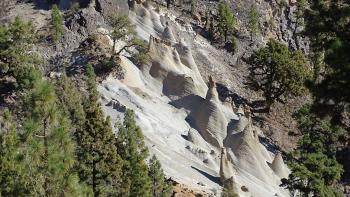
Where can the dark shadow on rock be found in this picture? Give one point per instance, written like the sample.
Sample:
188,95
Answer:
233,140
269,164
184,136
190,102
268,145
209,176
62,4
231,125
224,92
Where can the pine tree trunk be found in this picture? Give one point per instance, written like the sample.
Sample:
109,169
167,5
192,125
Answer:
94,171
94,189
46,157
225,35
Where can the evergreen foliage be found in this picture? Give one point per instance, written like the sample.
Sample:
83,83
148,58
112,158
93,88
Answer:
277,71
123,30
60,145
49,148
300,11
133,151
71,101
226,20
99,162
327,24
57,23
253,21
13,174
16,59
159,186
319,134
315,171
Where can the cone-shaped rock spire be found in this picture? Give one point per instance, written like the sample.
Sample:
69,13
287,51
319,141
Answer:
278,166
168,34
209,118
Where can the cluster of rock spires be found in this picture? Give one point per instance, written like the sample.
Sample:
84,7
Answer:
215,127
180,77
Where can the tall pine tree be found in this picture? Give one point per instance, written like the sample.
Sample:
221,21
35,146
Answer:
100,163
132,149
226,19
159,186
49,149
315,171
13,180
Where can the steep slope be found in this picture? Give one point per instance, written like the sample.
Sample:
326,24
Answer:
184,122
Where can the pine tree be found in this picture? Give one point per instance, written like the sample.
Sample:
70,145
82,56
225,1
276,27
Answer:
13,174
57,23
123,30
99,163
315,169
226,19
16,58
134,152
276,71
253,21
49,149
71,101
159,187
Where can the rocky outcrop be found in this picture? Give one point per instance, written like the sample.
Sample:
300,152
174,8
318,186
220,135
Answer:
109,8
168,34
227,175
209,118
279,167
178,80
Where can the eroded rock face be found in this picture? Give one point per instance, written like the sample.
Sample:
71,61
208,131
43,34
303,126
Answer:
66,4
227,175
209,118
110,8
279,167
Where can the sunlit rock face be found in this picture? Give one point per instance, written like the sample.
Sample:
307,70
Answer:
200,141
209,118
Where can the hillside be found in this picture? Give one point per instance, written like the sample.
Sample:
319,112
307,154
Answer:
189,93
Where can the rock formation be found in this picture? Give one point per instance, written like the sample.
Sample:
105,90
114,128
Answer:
227,175
194,137
209,118
168,34
278,166
167,68
248,151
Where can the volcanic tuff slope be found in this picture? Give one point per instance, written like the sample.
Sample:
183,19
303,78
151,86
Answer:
199,140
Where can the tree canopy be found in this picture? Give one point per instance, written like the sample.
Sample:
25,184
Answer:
277,71
226,19
56,141
315,170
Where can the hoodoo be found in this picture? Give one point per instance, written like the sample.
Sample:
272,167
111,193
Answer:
227,175
168,34
209,118
279,167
